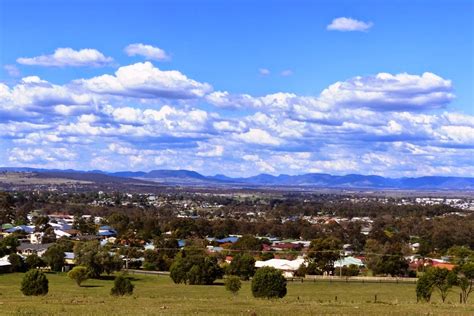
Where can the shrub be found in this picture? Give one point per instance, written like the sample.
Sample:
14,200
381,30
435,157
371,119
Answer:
268,283
122,286
34,283
233,284
78,274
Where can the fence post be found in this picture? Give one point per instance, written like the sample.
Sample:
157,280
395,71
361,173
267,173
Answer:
336,298
375,300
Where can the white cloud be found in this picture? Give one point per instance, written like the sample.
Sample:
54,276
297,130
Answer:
264,71
385,91
143,80
286,73
348,24
147,51
63,57
12,70
259,137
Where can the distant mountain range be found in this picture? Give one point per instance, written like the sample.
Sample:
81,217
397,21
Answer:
317,180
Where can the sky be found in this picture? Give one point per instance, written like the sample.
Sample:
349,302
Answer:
239,87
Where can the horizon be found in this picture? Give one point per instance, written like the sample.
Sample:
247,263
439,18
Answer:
232,177
239,88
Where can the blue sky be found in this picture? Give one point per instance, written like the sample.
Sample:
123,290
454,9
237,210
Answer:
239,87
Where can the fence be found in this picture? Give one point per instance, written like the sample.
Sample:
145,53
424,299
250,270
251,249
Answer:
359,279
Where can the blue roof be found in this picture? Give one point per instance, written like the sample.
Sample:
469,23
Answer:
24,228
107,233
69,255
105,227
227,239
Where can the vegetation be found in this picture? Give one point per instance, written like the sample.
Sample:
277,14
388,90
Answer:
195,268
268,283
78,274
122,286
233,284
242,265
34,283
159,294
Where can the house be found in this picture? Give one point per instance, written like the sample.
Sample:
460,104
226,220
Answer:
4,264
27,249
230,239
288,267
347,261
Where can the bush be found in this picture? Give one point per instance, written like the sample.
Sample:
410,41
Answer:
78,274
122,286
34,283
233,284
351,270
268,283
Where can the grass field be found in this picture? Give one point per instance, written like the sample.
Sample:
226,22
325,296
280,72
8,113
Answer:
158,295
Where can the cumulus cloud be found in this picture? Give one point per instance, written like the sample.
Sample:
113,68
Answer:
68,57
385,91
259,137
349,25
147,51
143,80
142,117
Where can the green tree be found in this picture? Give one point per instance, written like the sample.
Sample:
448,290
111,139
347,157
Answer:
33,262
243,266
195,269
268,283
122,286
34,283
87,255
443,280
466,280
424,288
54,257
248,242
78,274
17,263
233,284
324,252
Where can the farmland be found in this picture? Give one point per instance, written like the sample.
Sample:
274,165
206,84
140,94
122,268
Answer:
158,295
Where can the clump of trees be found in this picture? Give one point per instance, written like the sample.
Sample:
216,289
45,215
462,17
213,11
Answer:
195,268
435,278
268,282
96,259
122,286
34,283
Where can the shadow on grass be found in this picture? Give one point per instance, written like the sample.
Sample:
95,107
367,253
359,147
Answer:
106,277
92,286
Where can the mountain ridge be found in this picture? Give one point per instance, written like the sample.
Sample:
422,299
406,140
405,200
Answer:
353,181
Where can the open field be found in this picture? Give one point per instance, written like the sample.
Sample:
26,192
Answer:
158,295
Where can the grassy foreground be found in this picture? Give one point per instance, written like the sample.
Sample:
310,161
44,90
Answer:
158,295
